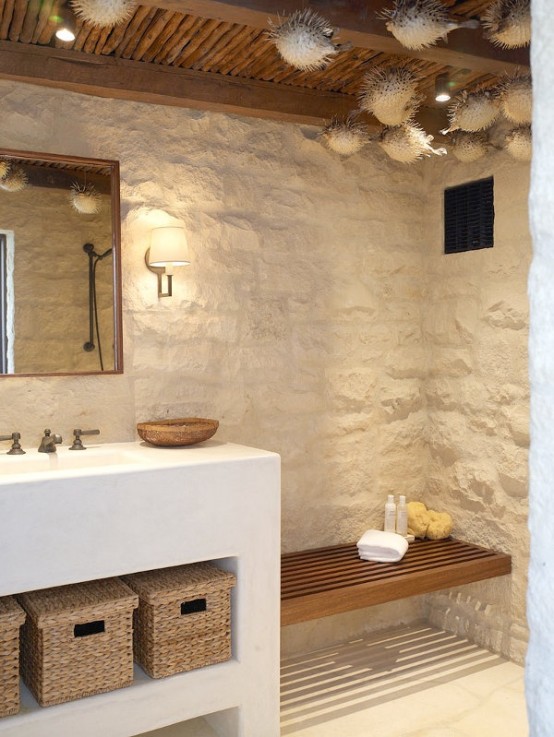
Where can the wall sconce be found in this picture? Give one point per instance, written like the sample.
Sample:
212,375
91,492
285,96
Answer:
67,26
168,249
442,88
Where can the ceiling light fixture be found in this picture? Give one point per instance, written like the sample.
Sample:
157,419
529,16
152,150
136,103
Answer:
67,28
442,88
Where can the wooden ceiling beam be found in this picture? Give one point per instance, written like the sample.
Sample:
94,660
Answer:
358,23
106,76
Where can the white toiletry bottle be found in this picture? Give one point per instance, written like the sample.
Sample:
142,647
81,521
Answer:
390,514
402,517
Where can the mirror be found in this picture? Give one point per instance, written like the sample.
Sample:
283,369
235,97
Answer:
60,267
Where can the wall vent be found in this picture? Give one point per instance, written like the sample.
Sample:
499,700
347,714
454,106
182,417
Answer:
469,216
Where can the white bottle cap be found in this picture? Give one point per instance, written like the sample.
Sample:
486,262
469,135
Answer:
390,498
402,498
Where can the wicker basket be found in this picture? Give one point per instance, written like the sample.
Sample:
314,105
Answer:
77,640
184,618
12,617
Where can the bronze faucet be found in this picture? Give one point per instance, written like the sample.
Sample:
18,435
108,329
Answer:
77,442
16,449
49,442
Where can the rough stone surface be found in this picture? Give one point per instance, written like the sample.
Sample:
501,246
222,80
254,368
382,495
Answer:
475,319
540,659
318,319
297,323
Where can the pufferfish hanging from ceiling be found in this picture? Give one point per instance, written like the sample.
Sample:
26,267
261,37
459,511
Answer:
508,23
468,147
519,143
345,137
473,111
516,97
14,178
408,143
390,93
305,40
418,24
104,13
84,198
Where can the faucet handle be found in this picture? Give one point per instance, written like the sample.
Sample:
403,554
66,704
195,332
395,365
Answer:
77,442
57,439
16,449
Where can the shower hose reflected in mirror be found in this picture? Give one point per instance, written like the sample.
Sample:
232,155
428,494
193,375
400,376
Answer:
94,328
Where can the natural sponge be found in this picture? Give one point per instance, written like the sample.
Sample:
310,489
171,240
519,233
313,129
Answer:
423,522
440,525
418,519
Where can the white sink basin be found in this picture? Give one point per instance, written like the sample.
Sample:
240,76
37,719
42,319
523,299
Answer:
34,462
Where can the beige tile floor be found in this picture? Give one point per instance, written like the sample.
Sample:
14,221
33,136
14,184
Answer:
408,682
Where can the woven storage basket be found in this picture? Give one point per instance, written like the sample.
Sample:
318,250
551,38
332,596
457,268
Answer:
12,617
184,618
77,640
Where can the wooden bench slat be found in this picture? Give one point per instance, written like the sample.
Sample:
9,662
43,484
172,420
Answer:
314,567
320,582
352,575
326,567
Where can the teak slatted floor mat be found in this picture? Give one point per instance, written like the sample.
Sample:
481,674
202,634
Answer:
324,581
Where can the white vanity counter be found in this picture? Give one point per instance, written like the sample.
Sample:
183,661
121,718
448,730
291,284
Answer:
128,507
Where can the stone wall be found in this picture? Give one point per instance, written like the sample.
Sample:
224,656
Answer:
540,658
301,325
477,395
297,324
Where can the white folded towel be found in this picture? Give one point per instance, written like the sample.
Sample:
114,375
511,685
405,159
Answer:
382,547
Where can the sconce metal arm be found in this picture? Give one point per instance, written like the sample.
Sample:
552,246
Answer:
160,271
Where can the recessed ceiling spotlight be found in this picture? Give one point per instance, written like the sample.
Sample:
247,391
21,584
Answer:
67,27
442,88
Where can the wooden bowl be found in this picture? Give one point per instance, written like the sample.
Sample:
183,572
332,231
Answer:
177,433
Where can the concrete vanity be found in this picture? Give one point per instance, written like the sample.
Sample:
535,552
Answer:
128,507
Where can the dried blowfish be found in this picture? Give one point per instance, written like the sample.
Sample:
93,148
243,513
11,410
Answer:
468,147
84,198
507,23
518,143
408,143
104,13
390,93
15,180
473,111
305,40
345,137
516,98
418,24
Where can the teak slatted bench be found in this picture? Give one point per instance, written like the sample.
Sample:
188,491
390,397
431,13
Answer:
323,581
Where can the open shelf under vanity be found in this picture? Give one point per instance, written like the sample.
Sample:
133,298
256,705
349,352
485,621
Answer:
220,503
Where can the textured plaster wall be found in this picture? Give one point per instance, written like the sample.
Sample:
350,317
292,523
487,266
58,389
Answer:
51,315
477,393
297,324
540,658
301,324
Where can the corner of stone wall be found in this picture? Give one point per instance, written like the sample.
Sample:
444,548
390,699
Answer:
476,613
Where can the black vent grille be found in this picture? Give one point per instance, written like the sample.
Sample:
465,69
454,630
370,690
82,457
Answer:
469,216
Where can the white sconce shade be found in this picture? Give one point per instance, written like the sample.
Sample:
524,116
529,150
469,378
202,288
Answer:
168,249
168,245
